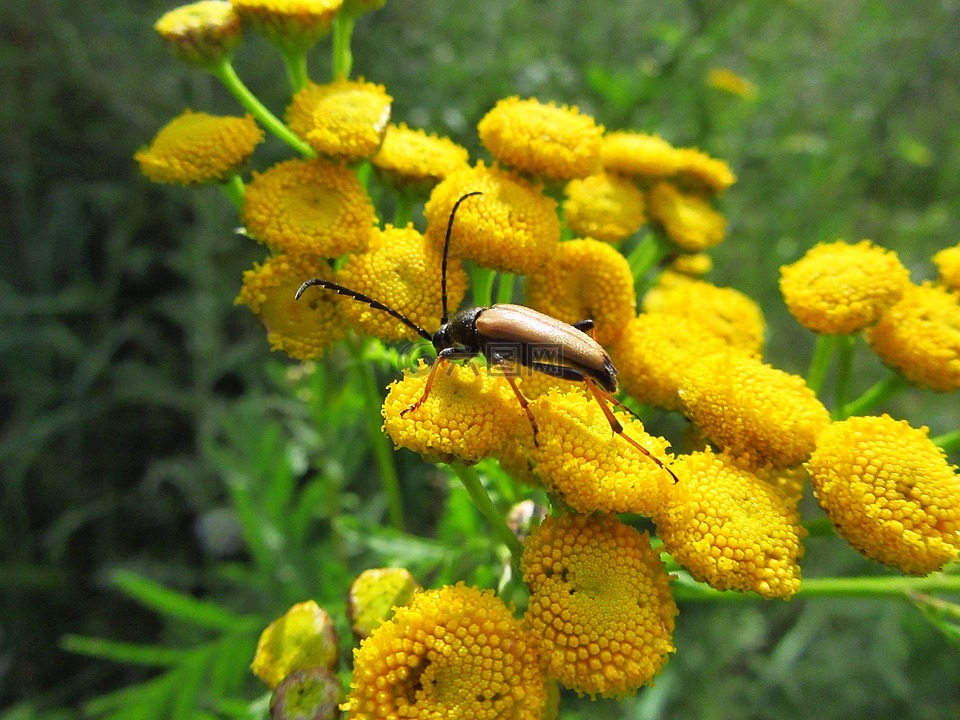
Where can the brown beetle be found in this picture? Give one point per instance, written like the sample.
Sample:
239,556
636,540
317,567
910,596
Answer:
511,335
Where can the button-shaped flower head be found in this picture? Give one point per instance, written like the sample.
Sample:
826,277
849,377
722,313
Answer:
889,492
687,218
456,652
838,288
413,162
948,267
604,206
302,637
699,172
196,148
375,593
645,157
600,602
542,139
294,26
201,33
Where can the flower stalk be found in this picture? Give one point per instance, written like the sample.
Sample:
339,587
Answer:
471,481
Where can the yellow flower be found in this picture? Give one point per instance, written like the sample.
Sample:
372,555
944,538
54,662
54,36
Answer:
948,265
413,162
752,409
196,148
292,25
643,156
688,219
585,280
731,529
312,208
920,337
581,460
512,227
655,350
456,652
302,637
729,81
604,206
837,288
470,413
344,120
201,33
600,602
889,492
375,594
726,311
542,139
401,269
301,328
691,264
700,172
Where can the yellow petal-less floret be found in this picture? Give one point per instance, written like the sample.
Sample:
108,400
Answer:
643,156
292,25
470,413
889,491
413,162
345,119
731,529
301,328
728,81
600,602
456,652
692,265
542,139
513,227
604,206
920,337
580,459
752,409
687,218
310,208
302,637
727,312
196,148
374,594
948,267
400,269
585,280
201,33
838,288
654,352
699,172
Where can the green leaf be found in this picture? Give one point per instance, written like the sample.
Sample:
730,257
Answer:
122,652
943,615
174,604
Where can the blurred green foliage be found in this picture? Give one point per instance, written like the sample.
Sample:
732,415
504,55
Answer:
170,486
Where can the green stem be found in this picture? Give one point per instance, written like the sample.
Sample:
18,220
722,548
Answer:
645,254
875,395
342,56
471,481
403,213
225,73
233,188
481,282
296,64
822,354
382,452
948,442
845,345
505,287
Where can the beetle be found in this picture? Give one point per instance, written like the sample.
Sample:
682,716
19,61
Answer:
524,331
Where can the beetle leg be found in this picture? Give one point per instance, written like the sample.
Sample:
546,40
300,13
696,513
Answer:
443,356
526,408
600,395
585,326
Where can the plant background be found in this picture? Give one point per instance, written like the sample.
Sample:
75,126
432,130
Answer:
146,430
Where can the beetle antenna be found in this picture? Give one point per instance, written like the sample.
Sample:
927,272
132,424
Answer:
446,252
360,297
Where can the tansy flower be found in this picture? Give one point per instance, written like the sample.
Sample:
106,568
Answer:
889,492
375,593
948,265
585,280
727,312
646,157
301,328
691,264
456,652
604,206
309,693
600,603
655,350
313,208
302,637
688,219
201,33
292,25
413,162
512,227
731,529
469,415
752,409
730,82
920,337
345,119
542,139
401,269
700,172
196,148
837,288
580,459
